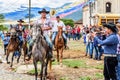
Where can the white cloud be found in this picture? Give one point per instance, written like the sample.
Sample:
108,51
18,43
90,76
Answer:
13,5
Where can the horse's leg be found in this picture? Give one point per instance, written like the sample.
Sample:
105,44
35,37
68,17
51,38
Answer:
61,54
45,70
50,64
35,65
57,55
41,72
25,50
12,60
19,56
7,57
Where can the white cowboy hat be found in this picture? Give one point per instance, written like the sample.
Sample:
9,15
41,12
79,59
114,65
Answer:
118,24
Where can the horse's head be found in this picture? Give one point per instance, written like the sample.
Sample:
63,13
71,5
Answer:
37,30
13,32
60,30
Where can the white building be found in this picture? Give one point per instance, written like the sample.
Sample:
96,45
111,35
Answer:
101,11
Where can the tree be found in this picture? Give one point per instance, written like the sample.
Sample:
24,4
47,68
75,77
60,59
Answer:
2,27
68,22
1,18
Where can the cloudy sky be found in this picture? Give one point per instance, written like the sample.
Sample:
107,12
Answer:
15,5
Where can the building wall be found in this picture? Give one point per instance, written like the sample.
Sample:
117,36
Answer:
102,6
86,15
99,7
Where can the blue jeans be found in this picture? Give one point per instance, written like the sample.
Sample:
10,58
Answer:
118,67
54,35
91,48
98,52
48,41
21,41
69,36
87,47
74,36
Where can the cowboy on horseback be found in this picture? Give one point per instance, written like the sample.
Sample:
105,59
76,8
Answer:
46,26
59,23
19,29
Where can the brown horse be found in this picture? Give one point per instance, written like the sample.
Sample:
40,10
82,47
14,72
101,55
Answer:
12,47
25,49
59,44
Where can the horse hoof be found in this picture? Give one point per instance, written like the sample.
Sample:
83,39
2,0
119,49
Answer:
61,65
8,62
10,66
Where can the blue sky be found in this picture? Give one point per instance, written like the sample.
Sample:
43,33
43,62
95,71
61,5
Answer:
15,5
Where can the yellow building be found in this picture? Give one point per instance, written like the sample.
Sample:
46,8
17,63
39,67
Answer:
101,11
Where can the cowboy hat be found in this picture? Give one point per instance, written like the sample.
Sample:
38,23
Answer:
111,26
43,10
20,20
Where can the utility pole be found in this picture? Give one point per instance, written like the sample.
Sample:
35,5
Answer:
90,10
29,12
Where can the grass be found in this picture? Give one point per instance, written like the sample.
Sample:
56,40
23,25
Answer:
74,63
99,76
85,78
100,66
64,78
32,72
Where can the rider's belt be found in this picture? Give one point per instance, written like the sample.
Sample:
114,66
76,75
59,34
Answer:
110,55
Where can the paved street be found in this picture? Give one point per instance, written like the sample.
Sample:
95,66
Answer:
7,74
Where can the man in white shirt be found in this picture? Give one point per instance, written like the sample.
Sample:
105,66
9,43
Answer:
57,23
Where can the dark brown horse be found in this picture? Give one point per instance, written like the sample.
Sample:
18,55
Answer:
12,47
25,48
59,44
40,52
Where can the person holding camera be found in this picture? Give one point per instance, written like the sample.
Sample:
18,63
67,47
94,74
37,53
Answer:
110,51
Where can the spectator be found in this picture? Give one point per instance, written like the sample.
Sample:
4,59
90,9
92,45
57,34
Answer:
110,49
118,51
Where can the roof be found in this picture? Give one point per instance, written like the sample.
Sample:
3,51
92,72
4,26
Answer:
79,21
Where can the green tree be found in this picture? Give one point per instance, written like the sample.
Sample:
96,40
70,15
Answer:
68,22
1,18
2,27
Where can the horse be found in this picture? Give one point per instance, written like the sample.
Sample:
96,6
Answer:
13,46
59,44
25,48
40,52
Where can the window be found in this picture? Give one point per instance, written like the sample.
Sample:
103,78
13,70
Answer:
108,7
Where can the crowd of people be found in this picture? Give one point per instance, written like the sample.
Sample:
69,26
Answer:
104,41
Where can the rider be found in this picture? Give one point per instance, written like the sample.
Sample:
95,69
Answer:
46,26
59,23
19,30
